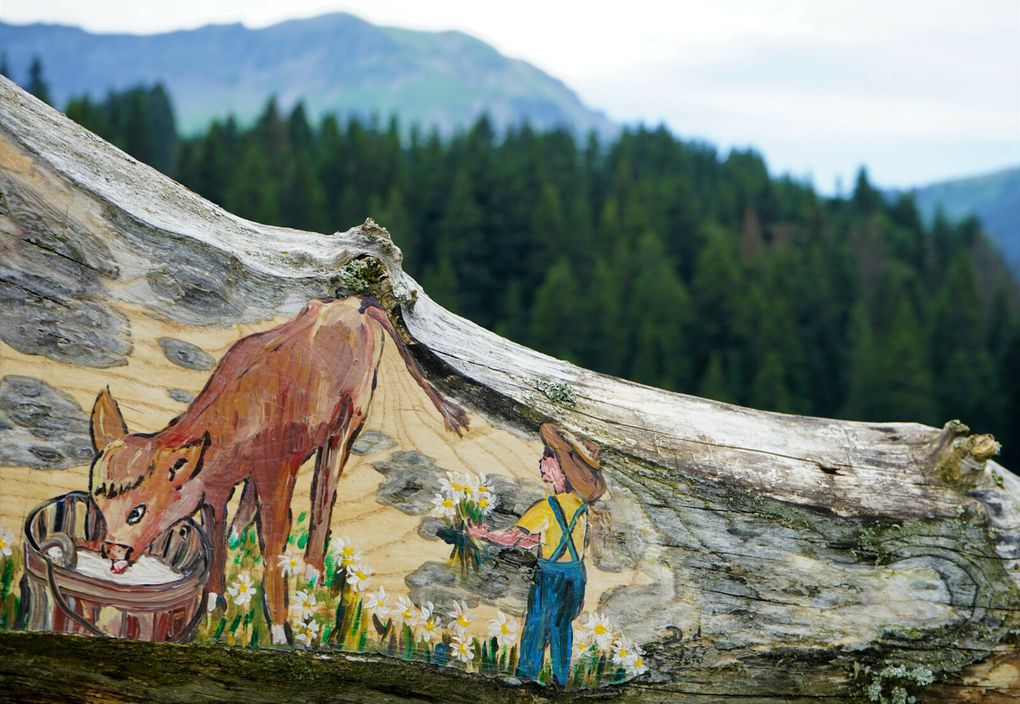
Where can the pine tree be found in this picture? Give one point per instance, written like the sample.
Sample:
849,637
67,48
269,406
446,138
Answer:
556,321
714,382
661,308
37,85
716,291
908,385
769,390
865,373
442,284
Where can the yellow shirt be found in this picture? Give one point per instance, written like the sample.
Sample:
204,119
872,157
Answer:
540,519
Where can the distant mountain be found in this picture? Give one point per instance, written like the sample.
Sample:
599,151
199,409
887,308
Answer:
994,198
335,63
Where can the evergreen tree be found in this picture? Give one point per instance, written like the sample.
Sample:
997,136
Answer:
714,383
442,284
661,309
908,385
557,325
865,373
463,241
37,85
769,390
254,196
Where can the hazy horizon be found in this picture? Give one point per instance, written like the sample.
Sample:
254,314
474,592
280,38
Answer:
917,93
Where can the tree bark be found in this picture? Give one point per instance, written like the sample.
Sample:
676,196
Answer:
783,558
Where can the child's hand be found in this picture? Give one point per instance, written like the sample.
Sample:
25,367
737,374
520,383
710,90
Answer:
475,530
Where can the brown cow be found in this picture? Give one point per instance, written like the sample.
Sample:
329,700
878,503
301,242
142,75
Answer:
275,398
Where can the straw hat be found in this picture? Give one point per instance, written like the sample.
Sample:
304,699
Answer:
579,460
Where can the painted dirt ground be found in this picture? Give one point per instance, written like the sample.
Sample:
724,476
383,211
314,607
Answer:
385,521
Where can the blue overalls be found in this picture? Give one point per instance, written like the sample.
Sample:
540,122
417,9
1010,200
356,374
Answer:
555,600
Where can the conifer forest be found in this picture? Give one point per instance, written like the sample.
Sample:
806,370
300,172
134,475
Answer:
649,257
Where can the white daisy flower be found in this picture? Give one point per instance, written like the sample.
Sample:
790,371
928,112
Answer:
405,613
461,622
469,488
481,484
6,542
484,503
601,631
428,628
306,632
638,666
357,576
289,562
452,485
625,652
463,648
345,551
376,601
503,629
242,590
444,506
304,603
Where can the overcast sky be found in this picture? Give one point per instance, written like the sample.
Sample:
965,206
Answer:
918,91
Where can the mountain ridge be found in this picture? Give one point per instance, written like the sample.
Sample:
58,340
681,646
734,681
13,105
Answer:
335,62
994,198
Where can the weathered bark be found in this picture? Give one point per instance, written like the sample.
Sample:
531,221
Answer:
784,558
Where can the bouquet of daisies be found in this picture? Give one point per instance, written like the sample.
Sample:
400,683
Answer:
463,497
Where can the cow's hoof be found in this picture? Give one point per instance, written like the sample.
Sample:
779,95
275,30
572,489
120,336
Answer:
279,635
312,575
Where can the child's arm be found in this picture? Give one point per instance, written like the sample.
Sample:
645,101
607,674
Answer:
510,537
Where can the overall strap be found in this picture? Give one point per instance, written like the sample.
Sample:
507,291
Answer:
567,536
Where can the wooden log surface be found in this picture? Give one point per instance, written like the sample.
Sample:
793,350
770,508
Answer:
755,556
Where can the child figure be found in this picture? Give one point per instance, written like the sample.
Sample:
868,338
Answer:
559,525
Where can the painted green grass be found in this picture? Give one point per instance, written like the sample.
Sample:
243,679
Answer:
334,615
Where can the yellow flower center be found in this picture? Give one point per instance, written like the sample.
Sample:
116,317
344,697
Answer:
482,503
639,661
406,613
447,503
430,626
623,652
468,490
463,621
504,628
599,630
347,550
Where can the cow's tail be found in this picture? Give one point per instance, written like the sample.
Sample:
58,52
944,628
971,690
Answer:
454,417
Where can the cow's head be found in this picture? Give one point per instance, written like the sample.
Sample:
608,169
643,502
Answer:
142,485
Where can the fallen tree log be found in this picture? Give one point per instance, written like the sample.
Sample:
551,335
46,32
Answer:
752,555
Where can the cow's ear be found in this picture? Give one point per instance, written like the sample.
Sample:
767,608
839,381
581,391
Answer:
185,462
107,422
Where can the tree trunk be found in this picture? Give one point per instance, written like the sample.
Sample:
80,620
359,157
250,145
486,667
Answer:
755,556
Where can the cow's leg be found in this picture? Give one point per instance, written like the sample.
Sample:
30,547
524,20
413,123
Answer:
214,521
329,465
245,510
274,521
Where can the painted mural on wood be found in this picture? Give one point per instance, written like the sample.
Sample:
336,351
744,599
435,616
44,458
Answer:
312,489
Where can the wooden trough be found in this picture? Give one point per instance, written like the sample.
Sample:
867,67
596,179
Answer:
59,595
